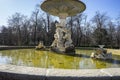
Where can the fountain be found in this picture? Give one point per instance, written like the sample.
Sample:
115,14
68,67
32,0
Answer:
31,64
101,53
63,9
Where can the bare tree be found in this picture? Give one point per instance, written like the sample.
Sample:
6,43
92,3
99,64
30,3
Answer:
100,19
4,32
25,29
16,21
100,33
118,32
34,19
80,21
41,27
111,34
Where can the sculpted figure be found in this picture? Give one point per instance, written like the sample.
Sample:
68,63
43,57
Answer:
67,37
101,54
63,42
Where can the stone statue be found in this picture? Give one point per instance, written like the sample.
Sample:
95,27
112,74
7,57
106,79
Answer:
101,54
54,44
40,46
67,37
62,42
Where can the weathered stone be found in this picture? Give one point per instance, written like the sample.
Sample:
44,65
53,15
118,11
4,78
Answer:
63,42
93,74
113,72
58,7
101,54
70,49
41,46
12,72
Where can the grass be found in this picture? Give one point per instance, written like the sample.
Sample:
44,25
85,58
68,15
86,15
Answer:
114,51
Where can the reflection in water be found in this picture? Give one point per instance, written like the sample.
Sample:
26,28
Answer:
47,59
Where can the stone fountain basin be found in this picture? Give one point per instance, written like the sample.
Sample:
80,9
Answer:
12,72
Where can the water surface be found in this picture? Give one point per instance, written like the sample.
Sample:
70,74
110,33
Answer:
47,59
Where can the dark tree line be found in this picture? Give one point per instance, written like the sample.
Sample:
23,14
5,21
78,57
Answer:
22,30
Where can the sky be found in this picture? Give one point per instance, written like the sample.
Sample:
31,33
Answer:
9,7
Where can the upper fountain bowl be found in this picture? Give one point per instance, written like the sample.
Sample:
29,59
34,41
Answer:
56,7
101,46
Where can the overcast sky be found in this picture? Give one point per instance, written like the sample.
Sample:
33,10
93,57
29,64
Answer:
9,7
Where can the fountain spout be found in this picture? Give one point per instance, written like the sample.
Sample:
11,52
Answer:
101,46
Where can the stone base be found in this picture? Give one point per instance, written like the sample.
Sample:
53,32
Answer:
42,49
68,51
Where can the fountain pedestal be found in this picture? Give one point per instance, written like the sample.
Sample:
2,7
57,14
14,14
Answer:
63,42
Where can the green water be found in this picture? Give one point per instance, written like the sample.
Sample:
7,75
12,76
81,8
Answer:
47,59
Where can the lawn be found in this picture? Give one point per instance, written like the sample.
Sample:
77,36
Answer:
114,51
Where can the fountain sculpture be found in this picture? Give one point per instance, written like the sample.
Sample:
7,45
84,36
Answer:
101,53
40,46
63,9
